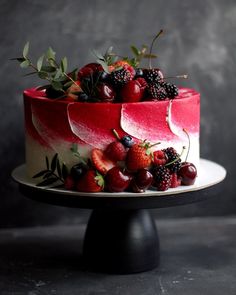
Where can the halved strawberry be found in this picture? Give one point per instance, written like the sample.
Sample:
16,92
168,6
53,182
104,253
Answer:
91,182
101,161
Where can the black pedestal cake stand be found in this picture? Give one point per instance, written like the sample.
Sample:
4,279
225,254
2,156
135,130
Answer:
121,236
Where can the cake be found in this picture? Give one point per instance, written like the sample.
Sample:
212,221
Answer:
132,126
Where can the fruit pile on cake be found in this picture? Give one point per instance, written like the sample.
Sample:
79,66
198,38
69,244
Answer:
111,125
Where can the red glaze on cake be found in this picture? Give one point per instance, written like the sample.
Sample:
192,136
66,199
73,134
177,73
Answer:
53,126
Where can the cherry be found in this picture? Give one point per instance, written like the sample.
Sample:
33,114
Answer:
187,173
143,179
131,92
117,180
105,92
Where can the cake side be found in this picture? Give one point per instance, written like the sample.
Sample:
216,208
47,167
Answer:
53,127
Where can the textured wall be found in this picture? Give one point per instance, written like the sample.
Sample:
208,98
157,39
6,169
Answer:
199,40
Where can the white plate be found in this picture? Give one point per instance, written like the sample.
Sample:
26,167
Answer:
210,174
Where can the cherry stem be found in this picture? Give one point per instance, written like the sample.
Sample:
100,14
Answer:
175,160
178,77
186,132
116,134
151,47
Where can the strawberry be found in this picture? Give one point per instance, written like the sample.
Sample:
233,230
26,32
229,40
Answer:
175,181
91,182
139,156
131,92
159,158
116,151
101,161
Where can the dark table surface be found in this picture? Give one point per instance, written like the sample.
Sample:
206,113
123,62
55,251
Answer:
198,256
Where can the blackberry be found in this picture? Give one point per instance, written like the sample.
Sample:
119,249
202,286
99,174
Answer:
174,157
152,75
161,177
120,77
156,91
171,89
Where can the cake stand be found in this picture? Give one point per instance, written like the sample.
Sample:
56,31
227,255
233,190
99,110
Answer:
121,236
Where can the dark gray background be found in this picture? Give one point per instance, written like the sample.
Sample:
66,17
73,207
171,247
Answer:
199,40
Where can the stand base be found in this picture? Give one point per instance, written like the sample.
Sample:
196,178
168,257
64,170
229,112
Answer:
121,241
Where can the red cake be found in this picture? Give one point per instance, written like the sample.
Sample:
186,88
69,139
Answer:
110,126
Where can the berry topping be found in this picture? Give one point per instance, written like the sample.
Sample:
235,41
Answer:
127,141
139,73
116,151
174,161
187,173
175,180
143,179
120,77
138,157
101,161
69,183
131,92
162,178
171,89
156,92
91,182
105,92
153,75
78,170
117,180
159,158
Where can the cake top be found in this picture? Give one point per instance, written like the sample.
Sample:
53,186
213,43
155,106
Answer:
111,78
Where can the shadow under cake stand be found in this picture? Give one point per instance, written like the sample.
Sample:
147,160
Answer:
121,236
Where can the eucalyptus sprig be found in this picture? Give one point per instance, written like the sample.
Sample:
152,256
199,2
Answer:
107,59
48,68
55,172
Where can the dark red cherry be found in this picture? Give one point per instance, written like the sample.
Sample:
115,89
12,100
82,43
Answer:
105,92
117,180
187,173
143,179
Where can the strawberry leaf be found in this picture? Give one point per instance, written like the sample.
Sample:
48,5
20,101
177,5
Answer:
48,181
40,62
41,173
54,162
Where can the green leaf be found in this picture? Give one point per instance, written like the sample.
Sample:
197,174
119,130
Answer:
68,84
59,172
135,50
58,74
74,148
64,64
150,56
47,181
98,55
56,85
41,173
26,50
25,64
48,69
47,175
104,65
47,162
54,162
65,171
42,75
40,62
50,54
